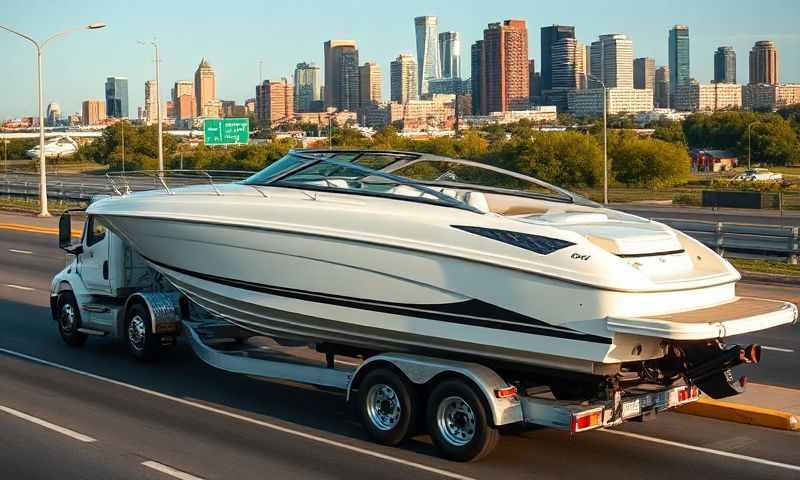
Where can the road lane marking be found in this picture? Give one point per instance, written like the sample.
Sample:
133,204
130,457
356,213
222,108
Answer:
261,423
43,423
170,471
20,287
24,252
777,349
721,453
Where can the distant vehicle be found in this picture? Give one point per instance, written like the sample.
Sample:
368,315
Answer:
63,146
759,175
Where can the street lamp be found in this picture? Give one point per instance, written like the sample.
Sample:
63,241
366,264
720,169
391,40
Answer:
157,60
605,141
748,141
39,50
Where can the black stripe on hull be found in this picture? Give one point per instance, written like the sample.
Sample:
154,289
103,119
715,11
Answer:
450,312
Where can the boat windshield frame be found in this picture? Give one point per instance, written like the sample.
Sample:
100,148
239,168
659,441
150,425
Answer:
440,198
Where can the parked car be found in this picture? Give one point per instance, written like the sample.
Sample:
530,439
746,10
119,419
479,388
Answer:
760,175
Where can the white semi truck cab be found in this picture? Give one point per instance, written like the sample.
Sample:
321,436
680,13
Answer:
107,289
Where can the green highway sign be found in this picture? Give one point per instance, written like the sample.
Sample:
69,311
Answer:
226,131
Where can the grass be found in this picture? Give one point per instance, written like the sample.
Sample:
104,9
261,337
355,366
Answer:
19,205
765,266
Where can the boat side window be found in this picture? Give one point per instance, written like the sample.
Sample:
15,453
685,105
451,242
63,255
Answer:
286,163
95,232
375,162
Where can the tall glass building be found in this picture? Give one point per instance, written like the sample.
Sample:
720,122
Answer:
450,54
117,97
725,65
678,57
428,65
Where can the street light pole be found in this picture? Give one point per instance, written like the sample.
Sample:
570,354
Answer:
748,141
605,140
39,52
157,60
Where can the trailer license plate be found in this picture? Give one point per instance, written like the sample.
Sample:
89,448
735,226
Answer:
631,409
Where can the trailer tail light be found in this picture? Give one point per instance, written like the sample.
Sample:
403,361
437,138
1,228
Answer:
688,393
506,392
586,421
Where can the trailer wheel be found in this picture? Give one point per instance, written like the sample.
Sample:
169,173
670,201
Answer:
69,320
386,406
142,343
458,422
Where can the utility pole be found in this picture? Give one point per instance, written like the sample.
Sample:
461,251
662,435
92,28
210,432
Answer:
605,140
122,124
157,60
749,134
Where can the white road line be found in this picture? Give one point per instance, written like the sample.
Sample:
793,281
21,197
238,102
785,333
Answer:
20,287
777,349
721,453
24,252
38,421
272,426
170,471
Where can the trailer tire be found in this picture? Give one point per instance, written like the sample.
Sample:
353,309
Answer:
386,406
458,422
69,320
139,337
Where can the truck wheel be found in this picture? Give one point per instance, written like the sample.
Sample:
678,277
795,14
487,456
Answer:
141,341
386,406
69,320
458,422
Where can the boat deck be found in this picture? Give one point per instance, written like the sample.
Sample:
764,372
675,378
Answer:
741,307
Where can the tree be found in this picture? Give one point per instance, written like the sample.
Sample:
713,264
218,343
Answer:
648,162
670,132
772,143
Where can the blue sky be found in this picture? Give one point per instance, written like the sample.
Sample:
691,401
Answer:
235,35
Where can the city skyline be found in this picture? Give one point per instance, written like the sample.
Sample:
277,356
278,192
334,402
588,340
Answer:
70,79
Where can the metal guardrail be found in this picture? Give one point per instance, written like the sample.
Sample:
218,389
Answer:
738,238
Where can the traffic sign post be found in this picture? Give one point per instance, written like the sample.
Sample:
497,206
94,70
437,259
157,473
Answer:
226,131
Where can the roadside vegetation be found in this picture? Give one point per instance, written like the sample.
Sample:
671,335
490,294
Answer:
765,266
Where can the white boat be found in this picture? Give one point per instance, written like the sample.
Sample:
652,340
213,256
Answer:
59,147
363,252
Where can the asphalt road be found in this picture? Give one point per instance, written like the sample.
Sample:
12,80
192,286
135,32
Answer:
125,419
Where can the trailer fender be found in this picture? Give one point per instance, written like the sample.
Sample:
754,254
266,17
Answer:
421,369
164,309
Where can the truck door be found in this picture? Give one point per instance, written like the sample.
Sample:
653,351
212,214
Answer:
93,265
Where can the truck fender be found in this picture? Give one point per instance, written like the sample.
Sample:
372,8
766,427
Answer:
164,309
63,286
421,369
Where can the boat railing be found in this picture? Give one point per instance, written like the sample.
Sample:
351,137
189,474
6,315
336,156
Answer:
126,182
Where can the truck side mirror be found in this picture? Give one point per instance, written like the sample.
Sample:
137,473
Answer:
65,231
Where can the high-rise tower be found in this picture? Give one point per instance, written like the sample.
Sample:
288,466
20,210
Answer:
341,75
550,35
428,65
725,65
764,63
450,54
505,80
679,73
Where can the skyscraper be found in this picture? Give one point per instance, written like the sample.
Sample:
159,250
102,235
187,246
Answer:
678,57
563,65
476,62
725,65
93,112
662,92
117,97
53,114
182,87
205,90
428,65
403,71
764,63
370,82
644,73
274,102
550,35
505,80
612,61
306,86
150,102
450,54
341,75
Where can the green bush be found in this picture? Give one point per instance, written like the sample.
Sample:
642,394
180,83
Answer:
648,162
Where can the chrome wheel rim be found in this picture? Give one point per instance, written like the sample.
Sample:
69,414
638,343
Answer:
383,407
456,421
67,318
136,332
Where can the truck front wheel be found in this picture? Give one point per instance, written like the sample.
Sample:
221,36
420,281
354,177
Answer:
69,320
143,344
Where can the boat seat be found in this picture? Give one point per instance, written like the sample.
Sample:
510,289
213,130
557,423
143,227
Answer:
337,182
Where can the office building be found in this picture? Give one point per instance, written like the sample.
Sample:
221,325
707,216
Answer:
612,61
370,83
150,102
550,35
274,102
53,114
185,107
476,64
182,87
306,86
565,53
450,54
589,102
536,114
662,91
417,115
678,51
581,65
765,96
644,73
450,86
505,80
697,97
93,112
403,71
205,90
428,65
764,63
341,75
725,65
117,97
